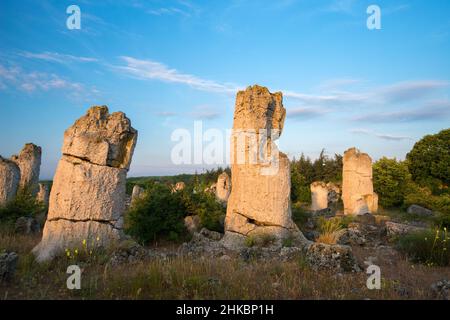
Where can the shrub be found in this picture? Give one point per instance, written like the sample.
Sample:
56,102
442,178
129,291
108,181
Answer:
431,247
391,180
204,205
429,161
23,205
159,214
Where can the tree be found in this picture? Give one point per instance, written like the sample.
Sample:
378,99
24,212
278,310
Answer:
391,181
429,161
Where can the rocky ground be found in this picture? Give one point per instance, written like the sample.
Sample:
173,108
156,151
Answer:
203,268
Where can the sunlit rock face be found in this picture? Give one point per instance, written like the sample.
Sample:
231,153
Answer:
87,200
43,194
357,186
29,163
319,195
259,202
9,180
223,187
323,195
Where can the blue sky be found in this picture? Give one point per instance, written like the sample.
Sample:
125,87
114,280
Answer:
167,64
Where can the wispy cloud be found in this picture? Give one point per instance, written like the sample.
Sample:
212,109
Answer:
14,77
411,90
305,113
168,11
165,114
433,110
153,70
383,136
56,57
205,113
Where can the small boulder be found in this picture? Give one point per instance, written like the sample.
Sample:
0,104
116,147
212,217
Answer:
8,265
337,258
441,290
192,223
27,225
419,211
396,229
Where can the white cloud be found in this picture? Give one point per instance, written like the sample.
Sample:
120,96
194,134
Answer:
57,57
383,136
153,70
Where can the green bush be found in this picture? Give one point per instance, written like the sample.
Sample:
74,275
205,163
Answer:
431,247
391,180
429,161
204,205
23,205
159,214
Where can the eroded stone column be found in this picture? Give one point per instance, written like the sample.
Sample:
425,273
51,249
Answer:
29,162
9,180
259,202
223,187
87,200
357,186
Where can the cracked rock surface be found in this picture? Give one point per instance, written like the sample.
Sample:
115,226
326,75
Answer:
87,200
9,180
29,162
357,186
259,202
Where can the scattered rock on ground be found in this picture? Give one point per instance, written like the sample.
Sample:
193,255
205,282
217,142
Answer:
26,225
441,289
8,265
419,211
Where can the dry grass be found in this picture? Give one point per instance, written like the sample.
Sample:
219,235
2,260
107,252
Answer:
329,230
182,278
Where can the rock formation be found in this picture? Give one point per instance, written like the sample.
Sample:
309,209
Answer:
223,187
178,186
9,180
357,186
323,195
319,195
259,202
29,162
87,200
44,193
138,193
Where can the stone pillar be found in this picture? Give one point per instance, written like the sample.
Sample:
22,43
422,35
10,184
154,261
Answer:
9,180
319,195
259,202
29,162
223,187
137,193
87,200
357,186
43,194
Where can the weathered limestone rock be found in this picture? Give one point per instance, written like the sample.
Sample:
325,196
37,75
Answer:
29,162
9,180
259,202
357,186
397,229
26,225
223,187
138,193
87,200
8,265
211,189
334,193
178,186
319,195
44,193
192,223
418,210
